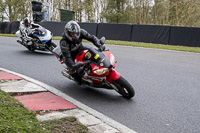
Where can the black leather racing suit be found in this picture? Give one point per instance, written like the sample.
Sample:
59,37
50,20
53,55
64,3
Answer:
71,49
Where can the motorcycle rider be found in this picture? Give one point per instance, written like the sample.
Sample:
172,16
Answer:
71,45
26,27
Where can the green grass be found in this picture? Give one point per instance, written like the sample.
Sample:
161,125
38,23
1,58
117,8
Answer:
138,44
8,35
15,118
156,46
13,35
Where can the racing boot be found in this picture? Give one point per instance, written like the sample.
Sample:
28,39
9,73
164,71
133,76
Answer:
73,76
21,42
66,73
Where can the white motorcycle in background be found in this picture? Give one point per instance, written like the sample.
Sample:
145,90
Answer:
39,39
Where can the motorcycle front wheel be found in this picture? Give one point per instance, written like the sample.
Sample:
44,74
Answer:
124,88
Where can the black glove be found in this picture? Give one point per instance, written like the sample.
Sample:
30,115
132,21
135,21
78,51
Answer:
102,47
77,71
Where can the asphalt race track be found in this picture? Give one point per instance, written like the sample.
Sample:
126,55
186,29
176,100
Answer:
167,85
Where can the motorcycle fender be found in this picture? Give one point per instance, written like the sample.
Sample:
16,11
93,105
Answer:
113,75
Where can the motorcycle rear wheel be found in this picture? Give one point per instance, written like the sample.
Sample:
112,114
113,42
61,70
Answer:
124,88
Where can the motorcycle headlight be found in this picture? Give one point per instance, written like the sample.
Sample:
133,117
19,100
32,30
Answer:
101,71
112,59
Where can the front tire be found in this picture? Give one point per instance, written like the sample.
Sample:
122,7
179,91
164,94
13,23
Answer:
124,88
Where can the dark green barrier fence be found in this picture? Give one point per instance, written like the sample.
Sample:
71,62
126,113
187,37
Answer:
185,36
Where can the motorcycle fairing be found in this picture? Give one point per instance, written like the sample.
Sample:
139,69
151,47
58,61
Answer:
44,35
113,75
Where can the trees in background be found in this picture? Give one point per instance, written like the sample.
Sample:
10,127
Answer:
14,9
2,9
158,12
115,11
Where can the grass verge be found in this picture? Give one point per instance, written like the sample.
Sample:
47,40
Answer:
8,35
15,118
13,35
156,46
138,44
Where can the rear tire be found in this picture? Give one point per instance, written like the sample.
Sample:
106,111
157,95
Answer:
124,88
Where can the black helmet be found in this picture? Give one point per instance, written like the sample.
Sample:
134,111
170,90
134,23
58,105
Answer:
72,31
27,22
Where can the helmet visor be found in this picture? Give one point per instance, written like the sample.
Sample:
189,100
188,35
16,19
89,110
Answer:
73,34
27,24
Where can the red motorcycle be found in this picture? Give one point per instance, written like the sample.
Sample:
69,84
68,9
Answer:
98,70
